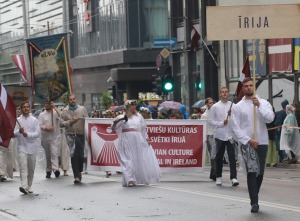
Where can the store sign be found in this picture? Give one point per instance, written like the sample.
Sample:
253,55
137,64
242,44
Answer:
253,22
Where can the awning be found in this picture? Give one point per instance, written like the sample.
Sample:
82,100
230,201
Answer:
133,74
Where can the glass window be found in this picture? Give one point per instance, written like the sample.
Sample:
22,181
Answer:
96,101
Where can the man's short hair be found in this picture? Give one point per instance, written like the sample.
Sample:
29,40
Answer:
207,100
23,103
247,80
71,94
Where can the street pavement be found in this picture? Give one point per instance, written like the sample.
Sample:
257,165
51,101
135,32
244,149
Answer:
179,196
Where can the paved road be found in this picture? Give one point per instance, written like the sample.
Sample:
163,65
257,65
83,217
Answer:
180,196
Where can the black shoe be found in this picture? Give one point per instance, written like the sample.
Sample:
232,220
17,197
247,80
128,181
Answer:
22,190
212,178
77,180
57,173
2,179
254,208
48,174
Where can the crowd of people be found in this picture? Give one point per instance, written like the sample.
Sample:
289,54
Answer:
249,132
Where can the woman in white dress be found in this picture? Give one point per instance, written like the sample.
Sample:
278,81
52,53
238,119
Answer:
136,156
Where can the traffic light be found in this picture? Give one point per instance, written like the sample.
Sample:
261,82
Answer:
198,83
157,85
167,83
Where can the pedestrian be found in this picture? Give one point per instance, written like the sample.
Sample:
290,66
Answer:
290,136
48,121
210,140
73,120
6,167
136,156
184,113
272,156
27,131
279,118
61,143
219,119
254,141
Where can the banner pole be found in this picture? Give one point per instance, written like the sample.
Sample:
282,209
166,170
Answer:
254,87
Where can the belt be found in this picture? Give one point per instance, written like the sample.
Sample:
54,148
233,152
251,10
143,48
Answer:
75,134
129,129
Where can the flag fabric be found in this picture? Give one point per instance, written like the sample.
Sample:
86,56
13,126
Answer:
49,66
195,37
245,74
19,60
8,117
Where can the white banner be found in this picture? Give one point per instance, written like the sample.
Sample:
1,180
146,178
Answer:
252,22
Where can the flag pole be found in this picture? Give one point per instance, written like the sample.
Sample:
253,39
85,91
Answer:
254,87
209,52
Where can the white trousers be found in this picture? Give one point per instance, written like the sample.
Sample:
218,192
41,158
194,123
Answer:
64,152
27,166
51,152
6,161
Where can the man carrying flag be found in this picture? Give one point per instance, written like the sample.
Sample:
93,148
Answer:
27,132
249,118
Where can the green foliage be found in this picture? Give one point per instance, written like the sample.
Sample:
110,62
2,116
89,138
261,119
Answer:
106,100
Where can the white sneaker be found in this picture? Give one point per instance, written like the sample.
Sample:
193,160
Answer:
235,182
219,181
29,190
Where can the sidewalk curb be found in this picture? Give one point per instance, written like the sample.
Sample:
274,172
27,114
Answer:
286,165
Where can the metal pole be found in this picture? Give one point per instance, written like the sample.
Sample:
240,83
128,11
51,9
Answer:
48,27
270,89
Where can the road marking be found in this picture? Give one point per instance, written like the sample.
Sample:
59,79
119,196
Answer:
215,195
8,216
238,199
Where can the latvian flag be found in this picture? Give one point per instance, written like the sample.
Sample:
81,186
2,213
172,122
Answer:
280,55
20,63
195,37
245,74
8,117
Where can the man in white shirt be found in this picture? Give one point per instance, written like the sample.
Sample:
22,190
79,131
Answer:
219,118
254,141
27,131
210,140
48,121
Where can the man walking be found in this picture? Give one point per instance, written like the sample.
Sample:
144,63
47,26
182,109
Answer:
27,131
210,141
251,132
73,119
219,119
48,121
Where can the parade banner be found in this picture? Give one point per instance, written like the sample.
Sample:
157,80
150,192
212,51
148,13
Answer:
178,144
19,93
49,65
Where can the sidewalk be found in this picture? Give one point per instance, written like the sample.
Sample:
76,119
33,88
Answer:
288,166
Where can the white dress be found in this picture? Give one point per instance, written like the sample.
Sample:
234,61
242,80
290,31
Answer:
137,158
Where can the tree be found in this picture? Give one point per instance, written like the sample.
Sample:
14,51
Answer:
106,100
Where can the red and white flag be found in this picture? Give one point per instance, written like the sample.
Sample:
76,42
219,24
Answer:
245,74
8,117
195,37
20,63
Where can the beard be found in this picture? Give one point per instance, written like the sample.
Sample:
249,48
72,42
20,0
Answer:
249,93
